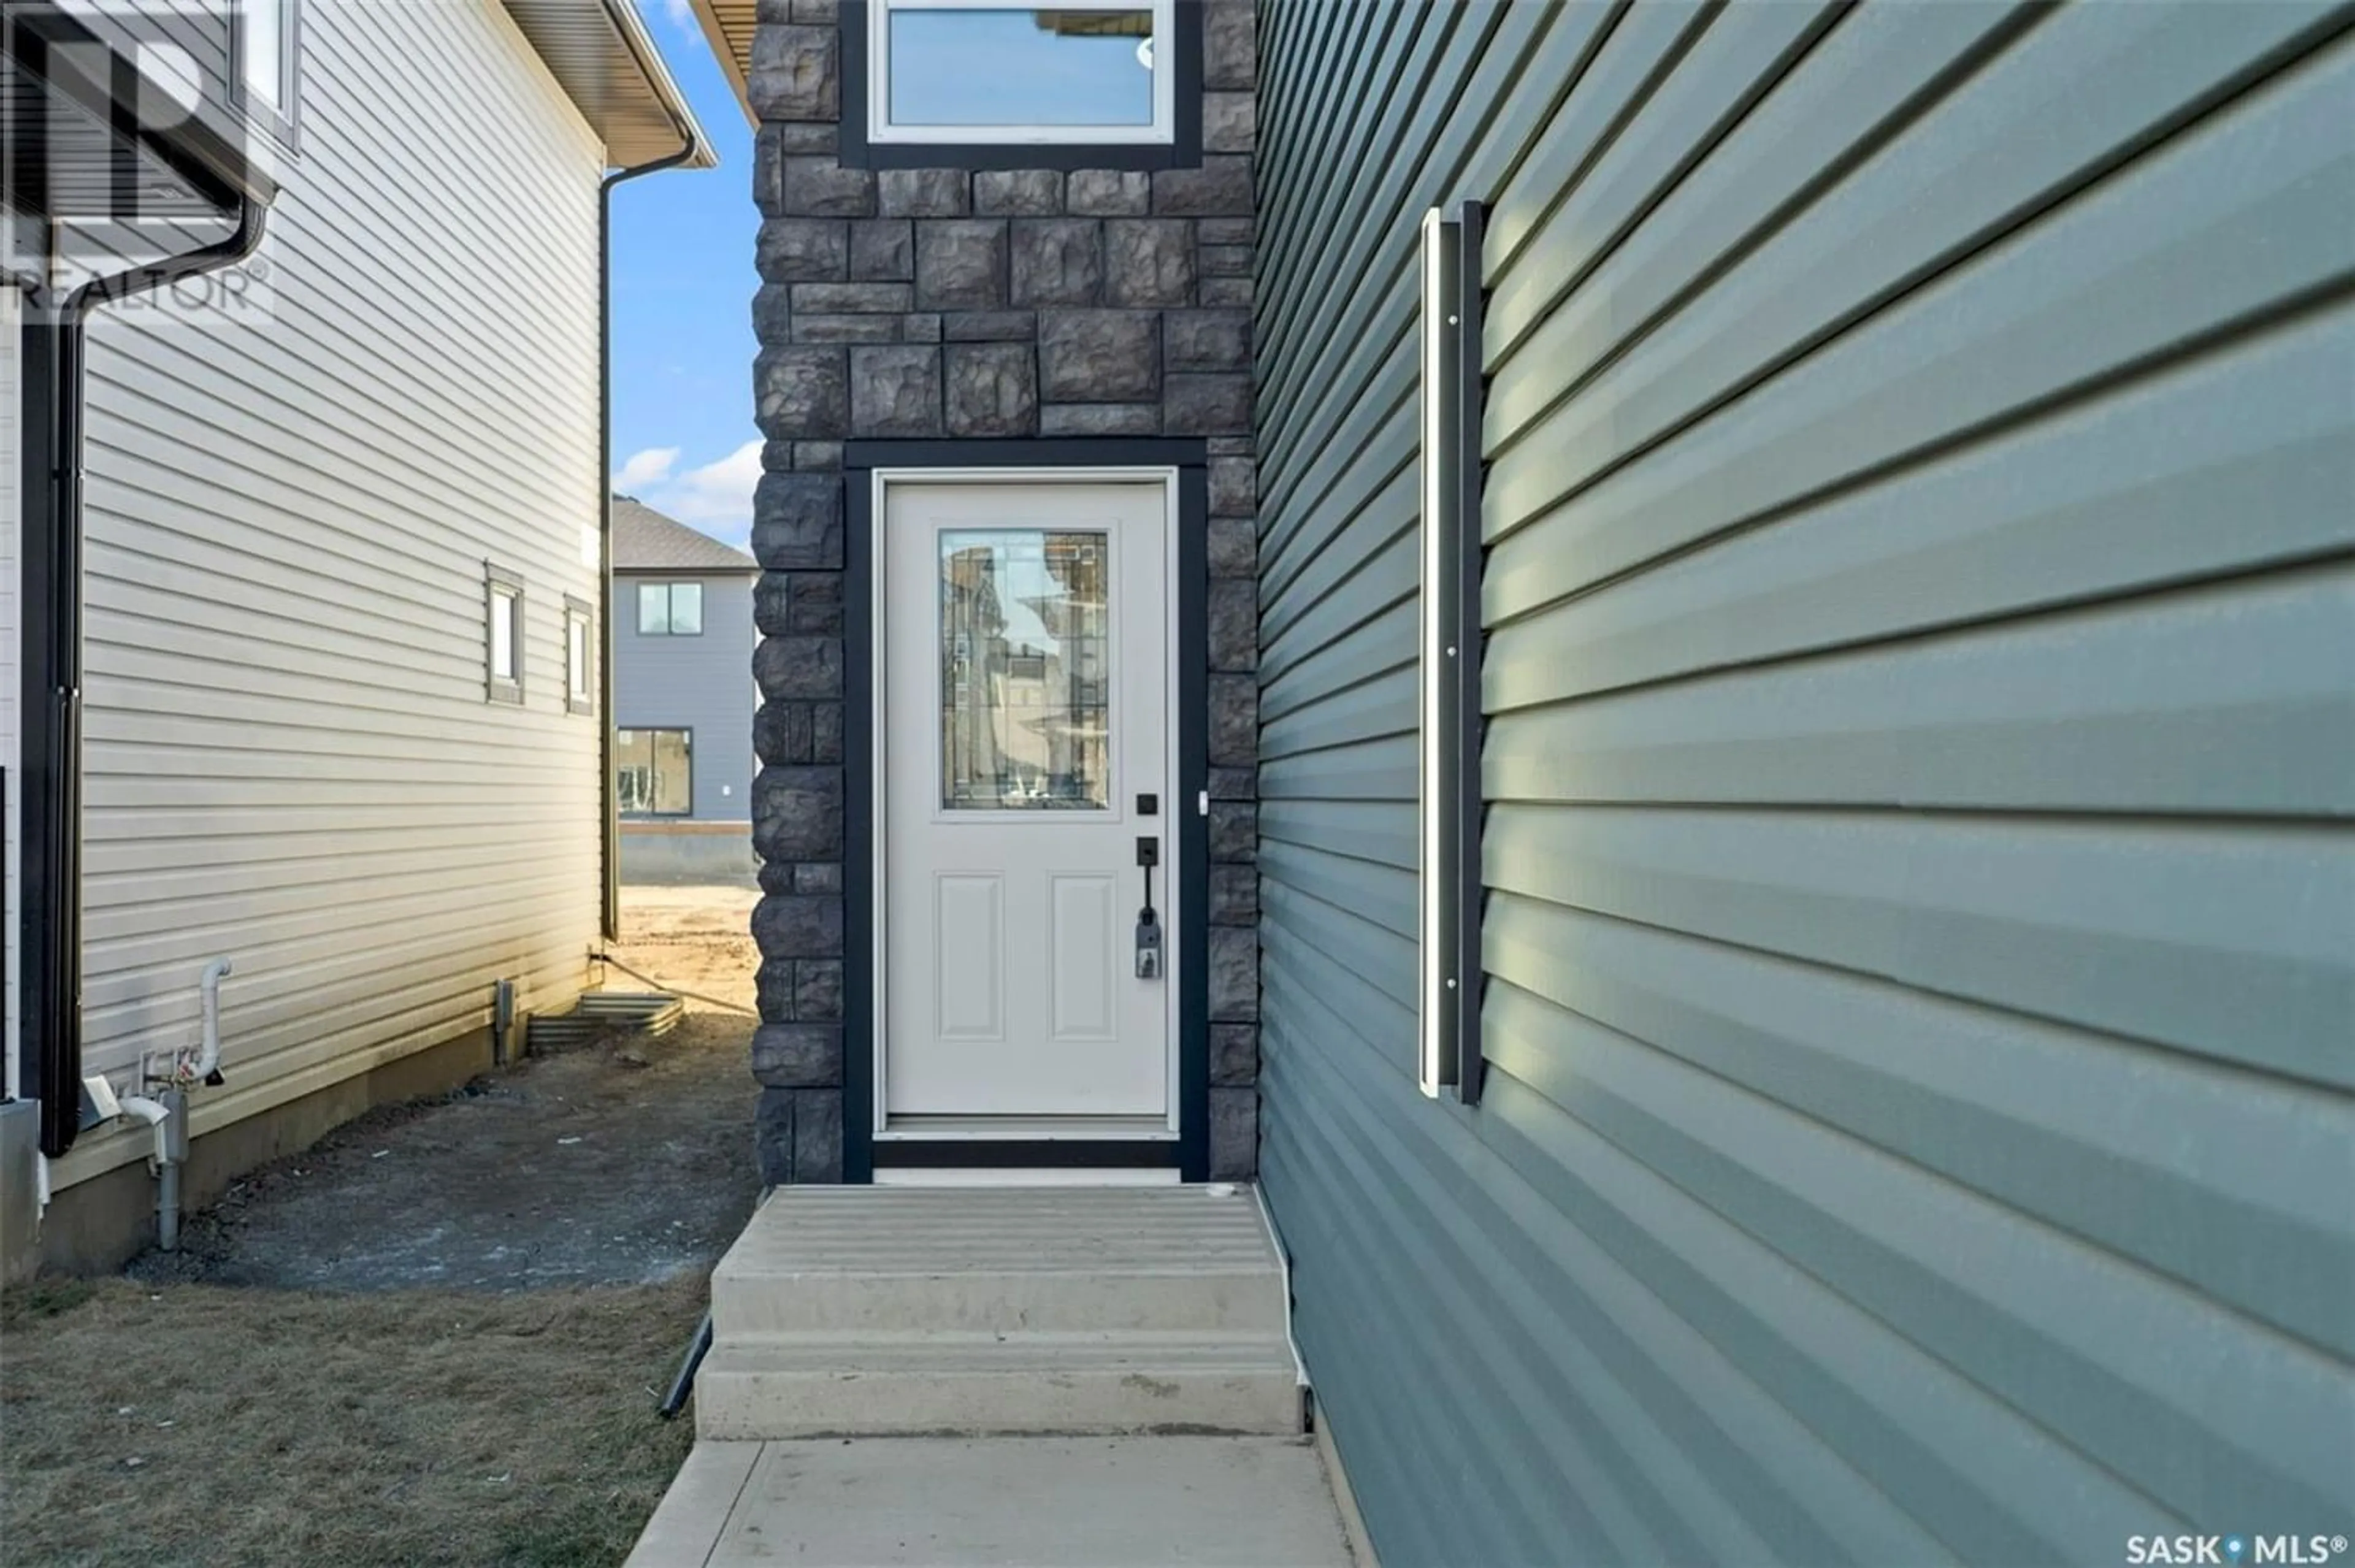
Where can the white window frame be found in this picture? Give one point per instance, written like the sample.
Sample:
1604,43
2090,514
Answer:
274,103
1163,131
579,656
502,599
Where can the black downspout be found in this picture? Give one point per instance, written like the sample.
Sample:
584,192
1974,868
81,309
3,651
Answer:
690,141
610,904
54,343
688,144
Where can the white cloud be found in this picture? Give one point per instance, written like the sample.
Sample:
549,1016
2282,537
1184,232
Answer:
716,497
651,466
680,13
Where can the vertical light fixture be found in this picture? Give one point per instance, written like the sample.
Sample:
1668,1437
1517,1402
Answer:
1464,889
1437,947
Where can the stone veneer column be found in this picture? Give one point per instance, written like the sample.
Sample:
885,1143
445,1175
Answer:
951,303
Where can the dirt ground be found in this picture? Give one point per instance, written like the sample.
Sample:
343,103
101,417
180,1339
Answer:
436,1338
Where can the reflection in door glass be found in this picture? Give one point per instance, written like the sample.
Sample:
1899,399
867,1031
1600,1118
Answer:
1025,671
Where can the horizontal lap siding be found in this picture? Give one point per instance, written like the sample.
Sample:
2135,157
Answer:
290,758
1921,681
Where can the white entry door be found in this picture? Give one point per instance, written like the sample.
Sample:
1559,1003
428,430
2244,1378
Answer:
1025,741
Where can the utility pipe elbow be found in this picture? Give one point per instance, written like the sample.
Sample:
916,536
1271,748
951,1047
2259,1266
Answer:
154,1113
209,1057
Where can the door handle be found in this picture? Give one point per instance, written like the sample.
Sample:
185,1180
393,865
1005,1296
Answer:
1148,923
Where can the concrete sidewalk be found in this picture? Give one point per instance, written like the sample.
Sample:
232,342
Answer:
999,1502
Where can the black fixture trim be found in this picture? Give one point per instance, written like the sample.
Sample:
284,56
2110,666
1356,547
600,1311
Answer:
1189,861
1468,896
1025,1154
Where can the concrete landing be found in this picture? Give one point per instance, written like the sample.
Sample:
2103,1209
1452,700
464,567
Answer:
1012,1502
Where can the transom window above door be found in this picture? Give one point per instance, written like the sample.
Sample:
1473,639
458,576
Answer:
670,609
1025,670
984,70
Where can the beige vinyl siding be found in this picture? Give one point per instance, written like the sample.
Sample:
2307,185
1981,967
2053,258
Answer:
290,759
10,578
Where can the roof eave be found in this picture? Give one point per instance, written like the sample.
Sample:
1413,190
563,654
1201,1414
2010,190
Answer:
732,46
615,75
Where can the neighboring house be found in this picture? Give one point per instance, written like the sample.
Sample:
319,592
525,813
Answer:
1754,723
337,570
683,699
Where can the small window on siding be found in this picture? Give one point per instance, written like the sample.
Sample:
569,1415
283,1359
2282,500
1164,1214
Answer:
670,609
654,772
579,656
269,37
502,634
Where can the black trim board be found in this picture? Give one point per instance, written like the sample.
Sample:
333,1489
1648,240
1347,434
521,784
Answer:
1025,1154
1183,151
1191,769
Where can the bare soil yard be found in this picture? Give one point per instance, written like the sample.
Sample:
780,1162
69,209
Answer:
436,1338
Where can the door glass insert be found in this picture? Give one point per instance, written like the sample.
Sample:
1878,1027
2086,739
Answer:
1026,668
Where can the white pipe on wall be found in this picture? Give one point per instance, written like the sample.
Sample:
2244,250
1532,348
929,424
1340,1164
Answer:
159,1115
208,1058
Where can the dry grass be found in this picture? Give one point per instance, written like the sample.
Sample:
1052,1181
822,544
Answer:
197,1424
190,1423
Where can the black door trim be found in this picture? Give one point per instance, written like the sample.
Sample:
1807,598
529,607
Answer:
1190,1151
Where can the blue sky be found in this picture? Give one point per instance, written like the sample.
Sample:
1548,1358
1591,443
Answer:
684,441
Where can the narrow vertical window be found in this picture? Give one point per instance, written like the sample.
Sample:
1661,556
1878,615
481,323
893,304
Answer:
502,634
266,41
579,656
1449,795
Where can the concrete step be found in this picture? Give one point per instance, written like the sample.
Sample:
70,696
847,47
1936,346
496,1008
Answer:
963,1384
881,1262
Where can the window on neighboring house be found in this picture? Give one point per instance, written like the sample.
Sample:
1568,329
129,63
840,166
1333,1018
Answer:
268,38
502,634
579,656
654,772
988,73
670,609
